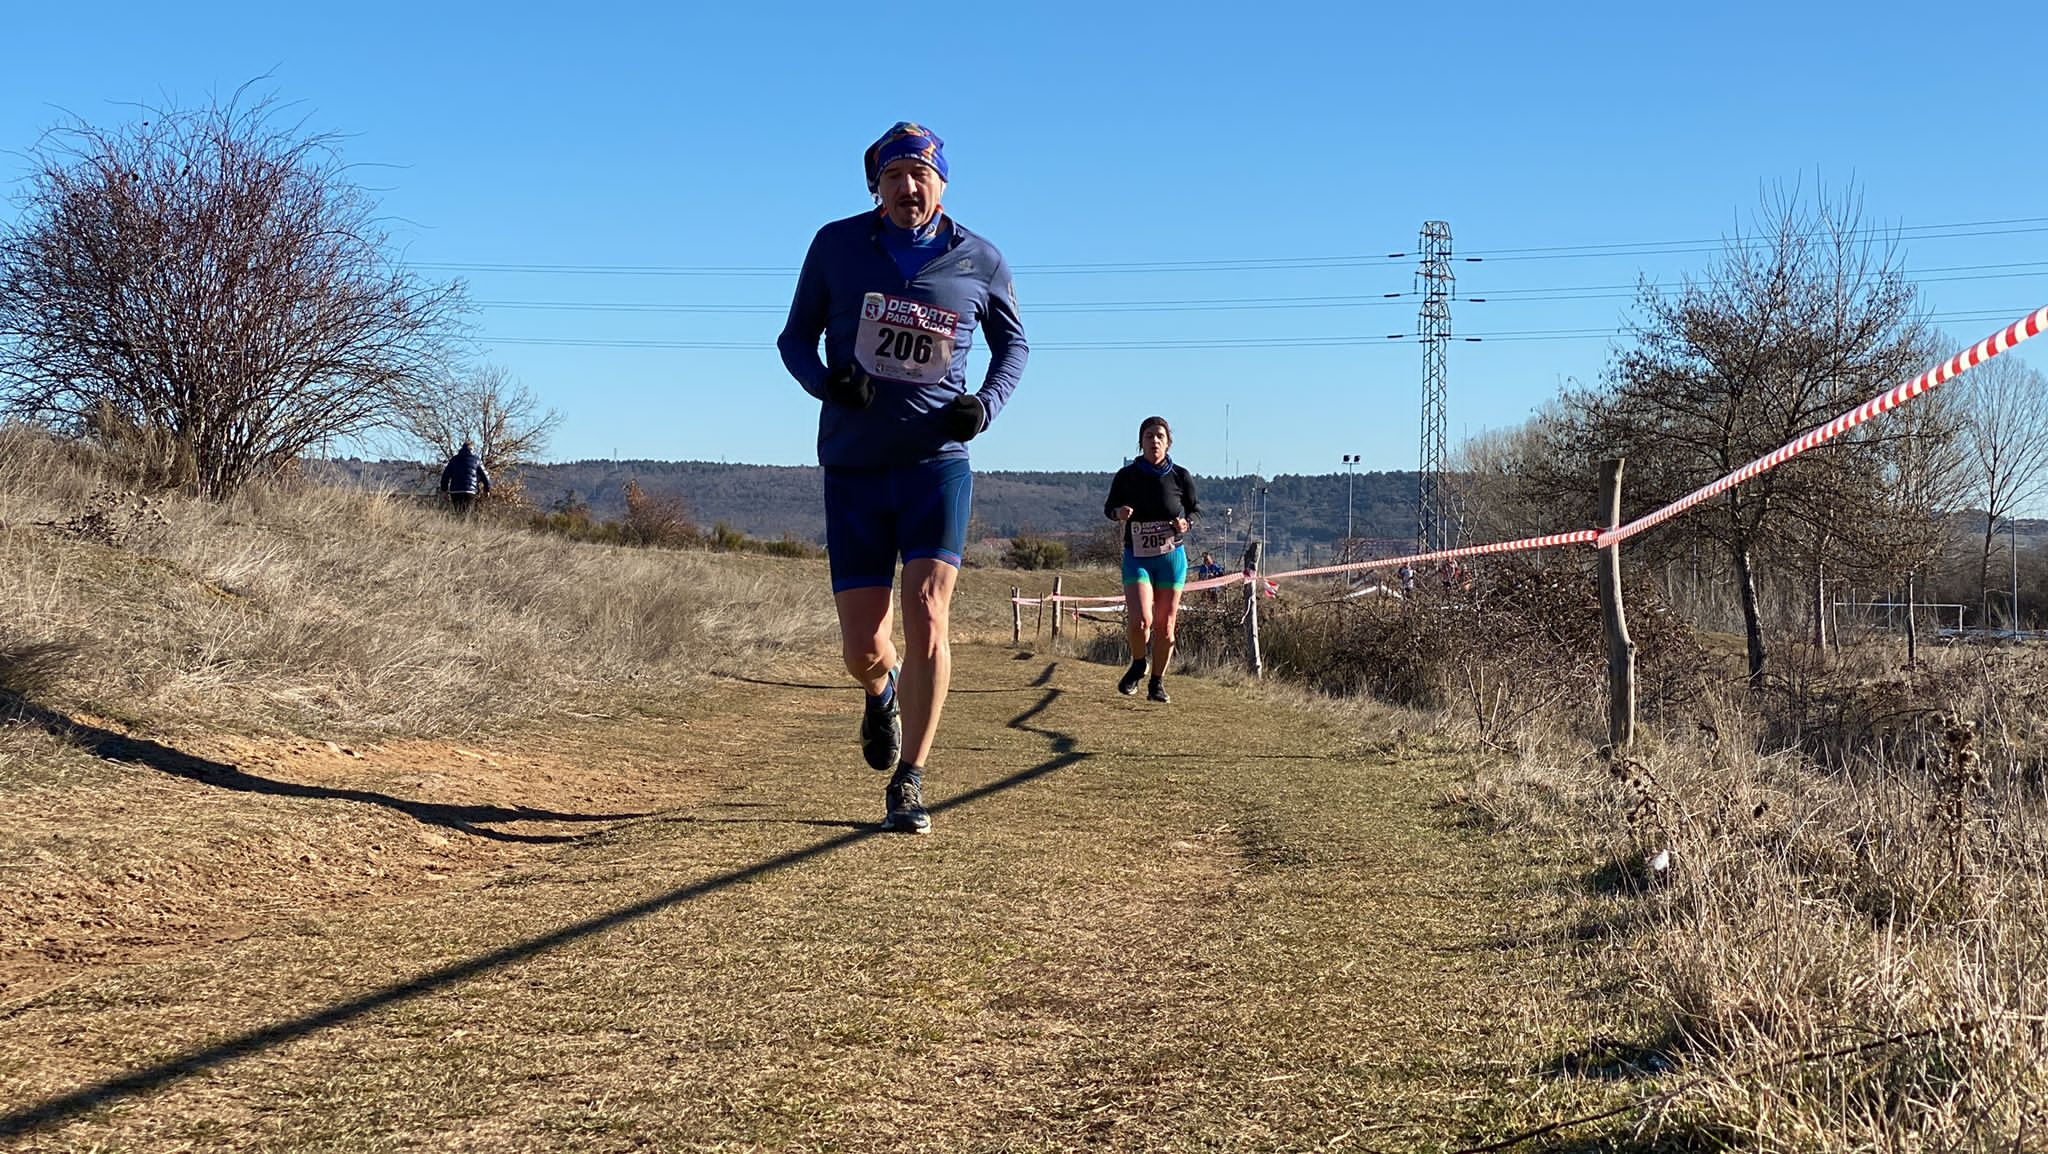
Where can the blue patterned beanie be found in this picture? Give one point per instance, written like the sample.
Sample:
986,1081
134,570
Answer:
905,140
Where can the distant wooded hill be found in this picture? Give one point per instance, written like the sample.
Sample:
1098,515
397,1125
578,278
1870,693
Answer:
1304,514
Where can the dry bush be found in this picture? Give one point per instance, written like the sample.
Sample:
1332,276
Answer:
658,519
1028,552
299,607
1515,648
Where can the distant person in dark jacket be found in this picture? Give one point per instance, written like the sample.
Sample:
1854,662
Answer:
464,479
1155,500
1207,570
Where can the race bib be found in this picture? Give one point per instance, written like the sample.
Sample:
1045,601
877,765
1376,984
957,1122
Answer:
905,340
1153,538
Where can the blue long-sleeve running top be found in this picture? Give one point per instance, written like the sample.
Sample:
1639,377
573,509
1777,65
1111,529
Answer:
911,333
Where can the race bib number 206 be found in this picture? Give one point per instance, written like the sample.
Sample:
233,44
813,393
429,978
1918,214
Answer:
905,340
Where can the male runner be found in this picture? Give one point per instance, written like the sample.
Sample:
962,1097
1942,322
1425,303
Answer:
897,293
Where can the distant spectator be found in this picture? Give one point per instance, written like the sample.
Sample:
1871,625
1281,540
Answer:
1407,572
464,480
1207,569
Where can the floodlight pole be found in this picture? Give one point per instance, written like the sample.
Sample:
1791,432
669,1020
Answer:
1350,460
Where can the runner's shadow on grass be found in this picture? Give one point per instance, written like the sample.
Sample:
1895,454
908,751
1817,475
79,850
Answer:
179,1067
998,689
821,823
779,684
469,819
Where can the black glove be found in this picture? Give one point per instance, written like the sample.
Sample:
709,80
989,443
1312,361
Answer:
850,385
965,417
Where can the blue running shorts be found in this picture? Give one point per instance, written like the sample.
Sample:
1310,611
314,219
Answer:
1166,571
872,516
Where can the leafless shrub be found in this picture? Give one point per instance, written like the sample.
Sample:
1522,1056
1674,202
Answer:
206,289
658,519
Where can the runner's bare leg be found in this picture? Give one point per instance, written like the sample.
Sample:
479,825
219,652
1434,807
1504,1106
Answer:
864,641
1166,612
927,653
1137,617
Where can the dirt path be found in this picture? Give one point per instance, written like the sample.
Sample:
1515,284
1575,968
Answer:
1216,925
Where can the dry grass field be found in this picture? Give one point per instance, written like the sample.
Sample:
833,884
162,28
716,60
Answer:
329,823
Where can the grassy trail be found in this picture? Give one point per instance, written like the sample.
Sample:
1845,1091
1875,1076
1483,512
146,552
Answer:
1222,924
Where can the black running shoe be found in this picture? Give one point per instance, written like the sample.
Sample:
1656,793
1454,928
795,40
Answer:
1132,677
906,802
881,731
1158,692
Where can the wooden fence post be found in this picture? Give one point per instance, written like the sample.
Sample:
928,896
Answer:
1016,615
1252,589
1621,652
1056,609
1912,635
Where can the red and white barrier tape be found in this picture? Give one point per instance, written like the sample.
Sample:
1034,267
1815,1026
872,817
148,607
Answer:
1578,537
1984,350
1190,587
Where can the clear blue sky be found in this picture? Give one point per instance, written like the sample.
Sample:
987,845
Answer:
1110,150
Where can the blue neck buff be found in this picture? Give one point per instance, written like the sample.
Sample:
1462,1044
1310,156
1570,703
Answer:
912,249
1161,469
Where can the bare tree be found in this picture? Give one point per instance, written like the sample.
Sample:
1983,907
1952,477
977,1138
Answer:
488,408
1492,475
213,279
2005,434
1794,324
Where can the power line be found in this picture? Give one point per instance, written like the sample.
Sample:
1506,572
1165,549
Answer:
1947,231
1055,307
1705,248
1501,297
1921,276
1254,264
1496,296
1862,233
1331,341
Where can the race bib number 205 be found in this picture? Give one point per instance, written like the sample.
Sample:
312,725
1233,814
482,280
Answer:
905,340
1153,538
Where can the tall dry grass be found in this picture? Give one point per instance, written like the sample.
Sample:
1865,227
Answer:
299,607
1827,901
